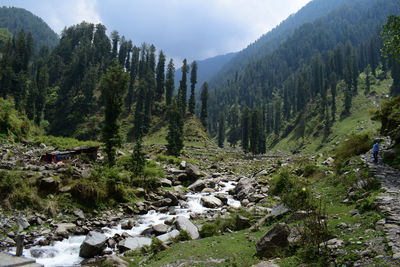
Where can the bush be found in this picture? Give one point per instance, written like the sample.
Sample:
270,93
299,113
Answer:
355,145
168,159
183,236
310,169
283,182
210,229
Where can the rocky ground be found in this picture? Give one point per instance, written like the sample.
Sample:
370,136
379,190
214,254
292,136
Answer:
389,201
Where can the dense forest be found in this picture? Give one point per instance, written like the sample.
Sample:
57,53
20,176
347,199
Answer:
16,19
273,93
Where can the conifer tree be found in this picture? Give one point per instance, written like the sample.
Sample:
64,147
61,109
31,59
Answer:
193,81
113,87
221,131
367,79
160,80
115,40
395,88
170,83
245,129
182,93
138,158
204,100
175,130
254,132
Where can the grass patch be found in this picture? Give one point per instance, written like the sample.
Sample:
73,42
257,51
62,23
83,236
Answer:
63,142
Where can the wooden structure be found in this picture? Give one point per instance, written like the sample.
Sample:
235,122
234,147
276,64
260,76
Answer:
69,154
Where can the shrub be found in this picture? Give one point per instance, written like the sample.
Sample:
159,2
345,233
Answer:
310,169
168,159
210,229
355,144
183,236
282,182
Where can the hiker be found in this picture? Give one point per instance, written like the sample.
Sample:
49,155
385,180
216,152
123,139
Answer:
375,151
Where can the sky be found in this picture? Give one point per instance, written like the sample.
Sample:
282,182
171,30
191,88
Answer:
192,29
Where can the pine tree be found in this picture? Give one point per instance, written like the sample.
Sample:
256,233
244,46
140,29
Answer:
193,81
333,84
254,132
182,93
395,88
160,80
113,87
138,158
170,83
175,130
115,40
138,124
221,131
367,79
245,130
204,100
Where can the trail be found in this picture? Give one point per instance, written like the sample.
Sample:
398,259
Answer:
388,201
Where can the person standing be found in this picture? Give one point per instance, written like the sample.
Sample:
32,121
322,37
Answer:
375,151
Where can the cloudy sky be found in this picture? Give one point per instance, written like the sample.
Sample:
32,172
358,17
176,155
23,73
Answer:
195,29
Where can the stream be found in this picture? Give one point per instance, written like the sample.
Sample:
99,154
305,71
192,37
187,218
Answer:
66,252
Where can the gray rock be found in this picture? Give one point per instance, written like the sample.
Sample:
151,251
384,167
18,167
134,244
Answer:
168,236
127,224
49,184
211,202
222,197
173,197
244,188
23,223
166,183
43,253
160,229
64,229
182,223
200,185
279,210
192,171
79,213
116,261
242,222
265,264
165,202
132,243
273,241
93,245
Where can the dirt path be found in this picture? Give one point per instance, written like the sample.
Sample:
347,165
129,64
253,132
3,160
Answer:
388,201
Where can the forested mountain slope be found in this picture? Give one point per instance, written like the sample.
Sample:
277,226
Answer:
304,69
17,19
271,40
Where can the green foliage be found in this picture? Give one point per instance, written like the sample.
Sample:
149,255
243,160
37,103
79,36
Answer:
168,159
113,87
391,37
62,142
175,131
389,116
12,123
354,145
138,158
183,236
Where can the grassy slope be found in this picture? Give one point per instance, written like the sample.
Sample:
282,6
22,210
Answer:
359,121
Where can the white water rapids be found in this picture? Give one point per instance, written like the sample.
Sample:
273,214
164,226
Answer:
66,252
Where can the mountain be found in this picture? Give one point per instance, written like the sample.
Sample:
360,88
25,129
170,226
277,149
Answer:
17,19
305,74
207,69
271,40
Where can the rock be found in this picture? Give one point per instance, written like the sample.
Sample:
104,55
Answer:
49,184
265,264
132,243
242,222
173,197
244,188
165,202
245,202
116,261
64,229
160,229
198,186
93,244
192,171
329,162
43,253
127,224
333,243
168,236
279,210
182,223
222,197
79,213
274,240
208,190
256,197
166,183
148,232
183,164
23,223
211,202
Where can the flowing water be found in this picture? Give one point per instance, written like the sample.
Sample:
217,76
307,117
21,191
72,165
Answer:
66,252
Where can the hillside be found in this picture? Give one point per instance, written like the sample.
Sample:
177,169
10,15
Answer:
17,19
271,40
305,69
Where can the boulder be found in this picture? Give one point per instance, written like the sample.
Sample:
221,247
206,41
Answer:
173,197
182,223
242,222
165,202
192,171
160,229
49,184
208,190
273,241
127,224
198,186
329,162
64,229
132,243
116,261
222,197
79,213
23,223
166,183
279,210
168,236
211,202
244,188
93,245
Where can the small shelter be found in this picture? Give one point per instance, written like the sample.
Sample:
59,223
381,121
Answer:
70,154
